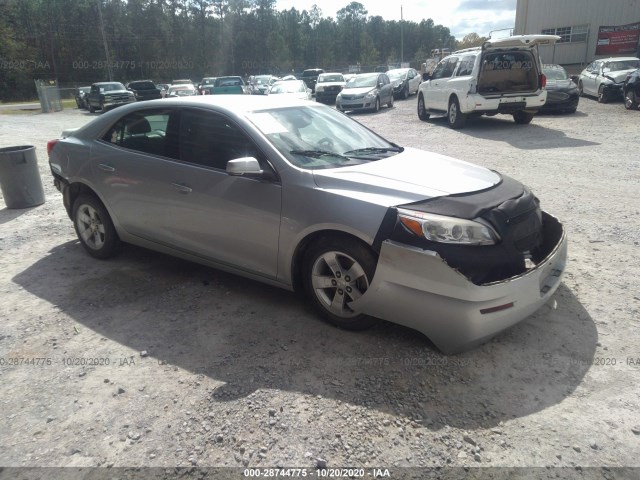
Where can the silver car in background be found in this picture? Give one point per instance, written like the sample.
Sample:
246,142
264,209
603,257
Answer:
604,78
296,89
296,194
366,91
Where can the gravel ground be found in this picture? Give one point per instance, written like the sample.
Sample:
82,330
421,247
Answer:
147,360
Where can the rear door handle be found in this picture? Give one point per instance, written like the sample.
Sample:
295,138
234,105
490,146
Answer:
106,168
182,188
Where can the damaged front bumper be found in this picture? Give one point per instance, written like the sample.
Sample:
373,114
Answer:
416,288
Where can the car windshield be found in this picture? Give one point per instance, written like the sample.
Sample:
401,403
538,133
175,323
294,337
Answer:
330,78
362,81
228,82
110,87
555,73
289,86
262,80
396,74
142,85
208,81
621,65
320,137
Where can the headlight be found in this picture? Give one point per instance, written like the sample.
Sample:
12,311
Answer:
371,94
438,228
319,88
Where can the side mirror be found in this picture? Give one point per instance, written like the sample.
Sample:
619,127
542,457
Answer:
244,166
426,76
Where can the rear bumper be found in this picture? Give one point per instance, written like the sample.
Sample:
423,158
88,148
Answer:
505,104
416,288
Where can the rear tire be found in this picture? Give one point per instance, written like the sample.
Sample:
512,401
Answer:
94,227
337,270
455,118
523,118
422,111
91,108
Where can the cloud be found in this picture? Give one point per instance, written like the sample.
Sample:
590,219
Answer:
487,5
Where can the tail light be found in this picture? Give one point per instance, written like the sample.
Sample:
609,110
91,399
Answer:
50,145
543,80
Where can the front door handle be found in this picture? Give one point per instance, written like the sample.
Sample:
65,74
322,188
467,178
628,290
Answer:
106,168
182,188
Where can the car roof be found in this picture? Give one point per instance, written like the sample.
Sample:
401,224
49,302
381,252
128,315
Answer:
616,59
241,104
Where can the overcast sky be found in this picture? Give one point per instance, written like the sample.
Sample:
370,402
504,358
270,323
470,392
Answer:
461,16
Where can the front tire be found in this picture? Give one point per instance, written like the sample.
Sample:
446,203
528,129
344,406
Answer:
630,100
390,102
455,118
91,109
405,92
94,227
580,89
376,107
422,111
603,97
337,271
523,118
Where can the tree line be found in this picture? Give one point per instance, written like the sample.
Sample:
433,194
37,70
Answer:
83,41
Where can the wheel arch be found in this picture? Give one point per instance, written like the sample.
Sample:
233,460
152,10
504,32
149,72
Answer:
74,190
306,242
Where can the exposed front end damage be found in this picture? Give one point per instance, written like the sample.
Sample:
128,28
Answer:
417,288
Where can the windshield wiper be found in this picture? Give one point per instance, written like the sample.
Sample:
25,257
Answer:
358,151
318,154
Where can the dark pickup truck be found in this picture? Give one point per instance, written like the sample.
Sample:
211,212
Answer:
310,77
106,95
144,90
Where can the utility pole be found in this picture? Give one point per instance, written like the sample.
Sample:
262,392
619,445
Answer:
401,38
104,41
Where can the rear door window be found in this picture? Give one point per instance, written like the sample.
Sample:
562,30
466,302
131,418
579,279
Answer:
146,131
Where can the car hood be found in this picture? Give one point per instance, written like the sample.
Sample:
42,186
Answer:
116,92
357,91
619,75
409,176
298,95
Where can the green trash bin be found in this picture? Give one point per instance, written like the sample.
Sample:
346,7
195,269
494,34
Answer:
19,177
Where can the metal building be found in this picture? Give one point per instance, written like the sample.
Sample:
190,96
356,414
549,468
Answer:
588,28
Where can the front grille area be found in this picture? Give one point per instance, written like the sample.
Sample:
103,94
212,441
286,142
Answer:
557,96
351,97
117,98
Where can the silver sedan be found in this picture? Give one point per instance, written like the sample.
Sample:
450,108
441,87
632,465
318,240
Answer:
296,194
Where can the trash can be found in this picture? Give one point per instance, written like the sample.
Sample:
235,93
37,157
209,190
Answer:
19,177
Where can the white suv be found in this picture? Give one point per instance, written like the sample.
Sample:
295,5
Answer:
503,76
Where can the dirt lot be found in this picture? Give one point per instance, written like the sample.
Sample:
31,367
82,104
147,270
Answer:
146,360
